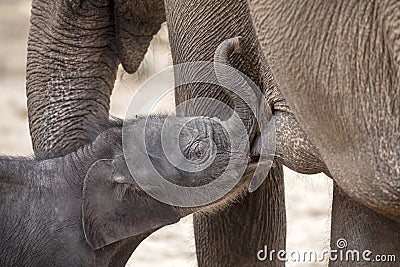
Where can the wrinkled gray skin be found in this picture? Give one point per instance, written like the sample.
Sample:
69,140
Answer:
74,49
41,203
232,236
72,210
75,46
73,52
338,65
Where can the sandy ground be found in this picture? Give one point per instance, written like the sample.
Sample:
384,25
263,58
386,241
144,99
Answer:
308,197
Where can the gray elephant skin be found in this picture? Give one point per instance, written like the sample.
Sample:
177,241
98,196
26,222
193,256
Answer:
79,209
74,48
41,204
82,47
338,65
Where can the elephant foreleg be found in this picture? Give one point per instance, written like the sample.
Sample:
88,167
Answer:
253,223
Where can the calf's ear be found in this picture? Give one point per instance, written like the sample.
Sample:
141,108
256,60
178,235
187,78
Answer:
115,208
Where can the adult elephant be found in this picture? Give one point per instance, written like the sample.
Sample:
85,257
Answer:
338,65
233,236
73,52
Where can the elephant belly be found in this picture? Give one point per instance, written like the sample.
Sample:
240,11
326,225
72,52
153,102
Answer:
334,67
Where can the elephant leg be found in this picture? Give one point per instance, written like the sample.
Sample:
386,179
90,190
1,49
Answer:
74,49
243,229
232,236
363,229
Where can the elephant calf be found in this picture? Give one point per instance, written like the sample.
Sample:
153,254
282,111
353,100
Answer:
41,203
66,210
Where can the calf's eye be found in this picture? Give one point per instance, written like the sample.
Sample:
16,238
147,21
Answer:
199,149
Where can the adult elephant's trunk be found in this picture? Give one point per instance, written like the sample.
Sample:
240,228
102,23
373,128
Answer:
73,53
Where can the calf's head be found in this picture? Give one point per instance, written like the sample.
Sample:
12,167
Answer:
116,207
171,167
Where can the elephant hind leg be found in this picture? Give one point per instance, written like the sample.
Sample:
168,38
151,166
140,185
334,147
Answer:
363,229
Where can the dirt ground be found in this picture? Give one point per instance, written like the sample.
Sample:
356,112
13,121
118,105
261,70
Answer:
308,197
